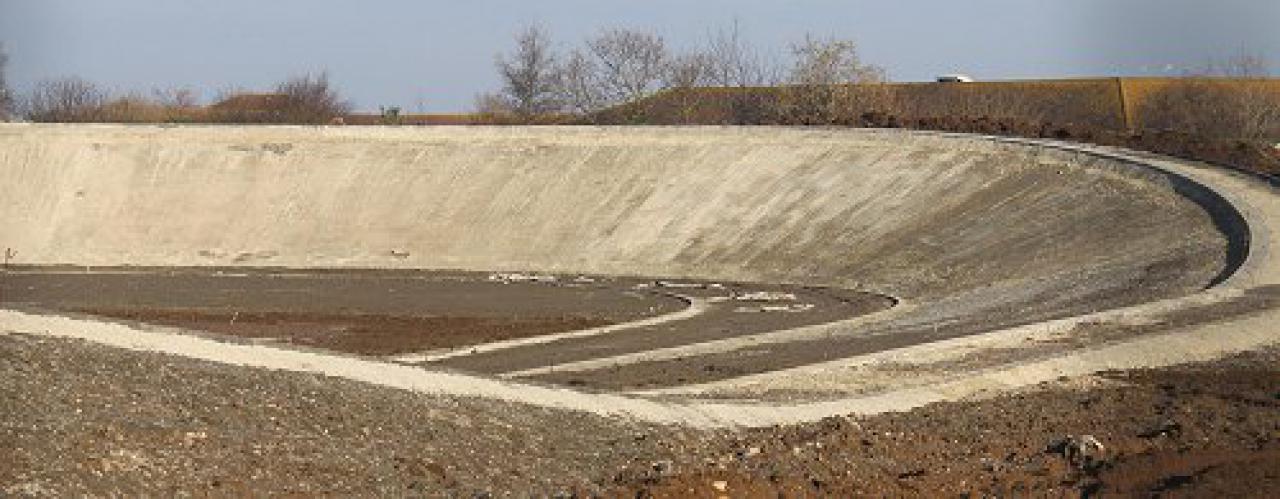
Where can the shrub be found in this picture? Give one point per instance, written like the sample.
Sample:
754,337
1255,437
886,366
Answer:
1246,109
310,99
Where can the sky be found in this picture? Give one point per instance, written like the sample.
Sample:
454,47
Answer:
435,56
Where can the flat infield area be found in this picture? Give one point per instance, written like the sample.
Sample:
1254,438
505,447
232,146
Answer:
416,316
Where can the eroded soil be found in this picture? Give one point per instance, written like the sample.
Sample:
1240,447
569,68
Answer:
79,418
1203,430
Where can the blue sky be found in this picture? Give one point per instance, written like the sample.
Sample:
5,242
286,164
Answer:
436,55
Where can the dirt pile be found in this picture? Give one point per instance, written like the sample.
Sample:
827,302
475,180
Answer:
81,418
1199,430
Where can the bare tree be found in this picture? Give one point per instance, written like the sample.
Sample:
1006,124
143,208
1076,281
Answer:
1243,64
819,90
684,75
183,98
578,85
733,63
529,75
311,99
631,64
65,100
6,95
687,70
831,62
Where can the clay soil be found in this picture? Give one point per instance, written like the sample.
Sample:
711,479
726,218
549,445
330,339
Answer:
77,418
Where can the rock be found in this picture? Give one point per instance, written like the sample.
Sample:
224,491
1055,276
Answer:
1081,451
509,277
720,485
1165,428
765,296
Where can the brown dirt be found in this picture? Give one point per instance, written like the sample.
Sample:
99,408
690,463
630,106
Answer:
78,418
81,419
1040,109
394,312
1209,430
1248,155
360,312
363,334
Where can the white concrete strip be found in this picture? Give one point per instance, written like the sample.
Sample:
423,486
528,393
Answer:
1202,343
813,332
77,271
696,306
1196,344
171,341
929,352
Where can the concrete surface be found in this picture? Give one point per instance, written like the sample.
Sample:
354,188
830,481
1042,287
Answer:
972,234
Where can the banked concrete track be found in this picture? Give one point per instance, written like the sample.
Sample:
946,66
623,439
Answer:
1013,261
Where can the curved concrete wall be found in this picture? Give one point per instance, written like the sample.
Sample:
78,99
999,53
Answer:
909,215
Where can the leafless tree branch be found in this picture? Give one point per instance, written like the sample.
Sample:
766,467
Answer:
311,99
6,94
65,100
631,64
529,74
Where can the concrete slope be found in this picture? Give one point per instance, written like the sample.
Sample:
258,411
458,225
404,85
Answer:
910,216
974,235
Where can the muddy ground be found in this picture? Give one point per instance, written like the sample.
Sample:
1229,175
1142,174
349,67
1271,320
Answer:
80,418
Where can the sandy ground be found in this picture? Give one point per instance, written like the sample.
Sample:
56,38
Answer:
81,418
